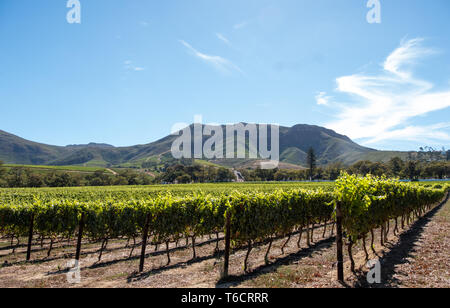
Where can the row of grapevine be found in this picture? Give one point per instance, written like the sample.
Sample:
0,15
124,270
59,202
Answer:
172,218
259,217
120,193
367,203
370,203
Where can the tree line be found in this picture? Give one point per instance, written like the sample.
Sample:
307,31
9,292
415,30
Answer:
15,177
183,174
194,173
395,168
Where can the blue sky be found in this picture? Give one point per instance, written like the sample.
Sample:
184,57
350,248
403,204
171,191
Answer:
132,69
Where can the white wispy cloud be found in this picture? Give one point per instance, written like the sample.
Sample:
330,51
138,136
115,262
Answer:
322,98
129,66
221,64
223,38
423,134
406,54
385,104
240,25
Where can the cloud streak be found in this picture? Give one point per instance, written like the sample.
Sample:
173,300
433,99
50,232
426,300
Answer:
385,104
129,66
240,25
221,64
223,39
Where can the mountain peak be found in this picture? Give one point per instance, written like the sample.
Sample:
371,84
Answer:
294,143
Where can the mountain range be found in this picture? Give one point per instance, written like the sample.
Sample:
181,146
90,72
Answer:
329,146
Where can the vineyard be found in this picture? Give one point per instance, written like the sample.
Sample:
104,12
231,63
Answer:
240,216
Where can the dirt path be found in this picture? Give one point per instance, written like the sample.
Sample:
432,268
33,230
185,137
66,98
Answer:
112,171
417,258
421,258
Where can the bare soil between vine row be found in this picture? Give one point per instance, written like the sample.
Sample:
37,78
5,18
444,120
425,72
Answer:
417,257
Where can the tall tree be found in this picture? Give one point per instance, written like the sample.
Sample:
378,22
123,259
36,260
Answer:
396,166
311,161
411,170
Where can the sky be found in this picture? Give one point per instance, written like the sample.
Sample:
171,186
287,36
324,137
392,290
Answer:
132,69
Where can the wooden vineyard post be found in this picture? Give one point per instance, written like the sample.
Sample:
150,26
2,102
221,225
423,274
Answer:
144,243
30,237
340,257
227,245
80,237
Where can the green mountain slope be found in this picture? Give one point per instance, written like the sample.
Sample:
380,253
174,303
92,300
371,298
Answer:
294,143
16,150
